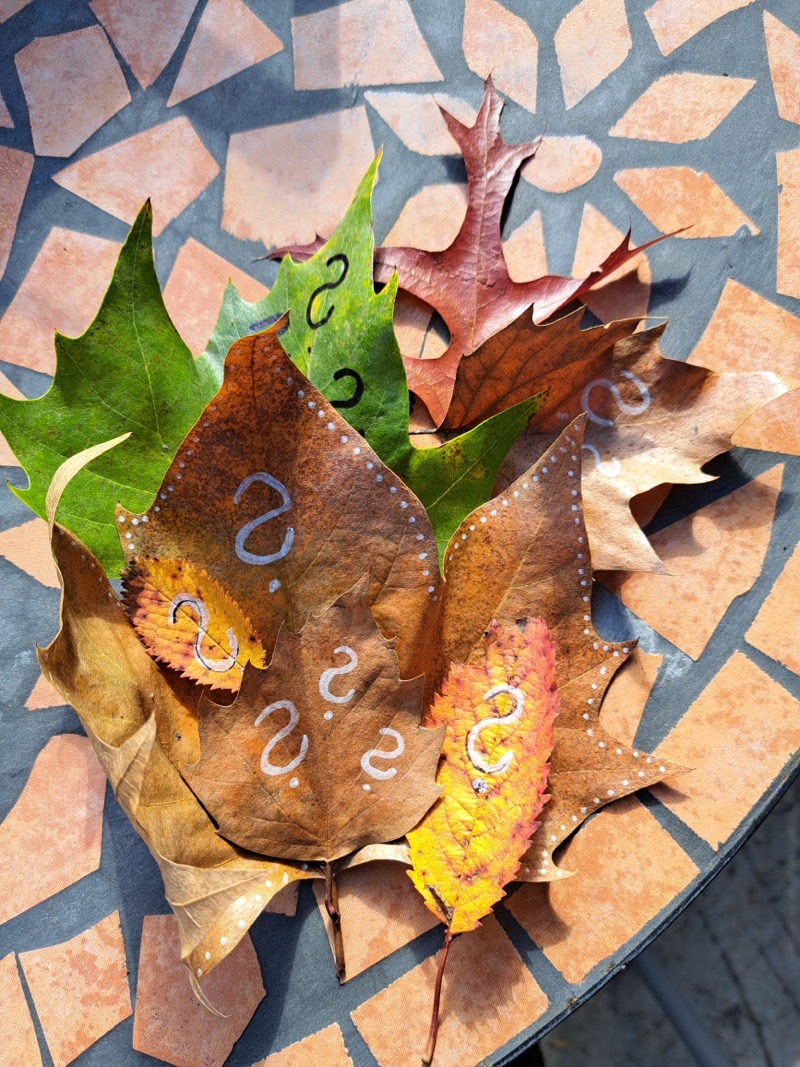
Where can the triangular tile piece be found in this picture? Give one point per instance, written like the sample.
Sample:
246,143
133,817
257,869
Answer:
72,84
625,294
591,42
627,695
7,457
674,21
5,115
28,547
15,172
325,1047
170,1024
58,815
361,42
776,628
673,198
229,39
783,51
168,163
712,556
146,34
80,988
17,1035
43,695
681,107
562,164
430,219
746,333
499,43
416,119
11,7
524,250
788,280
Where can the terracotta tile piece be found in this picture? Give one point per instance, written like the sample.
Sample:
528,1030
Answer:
43,695
497,42
51,837
412,319
80,988
562,164
745,333
524,250
673,22
627,870
417,120
783,52
7,457
8,388
145,34
627,695
361,42
625,294
712,556
737,737
591,42
381,911
430,219
168,163
789,222
285,184
776,628
5,116
193,293
681,107
17,1035
488,996
15,173
674,197
170,1023
228,39
28,547
325,1048
72,84
11,7
61,291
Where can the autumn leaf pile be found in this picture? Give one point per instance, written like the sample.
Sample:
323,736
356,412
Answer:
328,639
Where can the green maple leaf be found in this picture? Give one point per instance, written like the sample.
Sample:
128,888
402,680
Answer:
130,371
341,336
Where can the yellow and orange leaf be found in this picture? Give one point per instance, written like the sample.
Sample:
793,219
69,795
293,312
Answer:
186,620
493,772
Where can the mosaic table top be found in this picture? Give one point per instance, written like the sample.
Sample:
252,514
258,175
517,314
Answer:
249,126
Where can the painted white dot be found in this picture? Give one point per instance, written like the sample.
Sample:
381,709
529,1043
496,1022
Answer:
301,393
425,574
403,503
223,941
611,792
199,972
240,924
423,555
366,787
601,744
294,782
584,810
596,800
344,438
328,715
493,512
146,518
356,451
378,477
274,585
207,955
370,466
618,751
420,537
505,503
285,878
135,522
636,755
392,488
311,404
463,537
129,534
662,769
544,470
268,884
156,508
431,588
321,413
590,733
331,426
553,837
483,518
586,715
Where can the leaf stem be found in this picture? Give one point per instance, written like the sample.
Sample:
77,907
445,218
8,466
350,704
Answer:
430,1048
332,908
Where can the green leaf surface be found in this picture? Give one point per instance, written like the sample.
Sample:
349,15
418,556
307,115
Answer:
129,372
341,336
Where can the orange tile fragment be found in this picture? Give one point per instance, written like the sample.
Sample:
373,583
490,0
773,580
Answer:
43,695
145,34
381,911
681,107
783,52
712,556
674,197
168,163
745,333
80,988
625,294
430,219
627,870
28,547
673,22
591,42
62,290
228,39
285,184
15,172
627,695
499,43
326,1048
51,837
11,7
361,42
193,293
17,1035
170,1024
5,115
776,628
737,737
562,164
524,250
415,338
7,457
488,997
72,84
416,119
789,222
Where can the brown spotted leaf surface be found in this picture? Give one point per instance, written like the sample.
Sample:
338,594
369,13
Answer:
322,752
525,554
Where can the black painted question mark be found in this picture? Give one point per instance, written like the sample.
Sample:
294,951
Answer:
358,392
315,324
